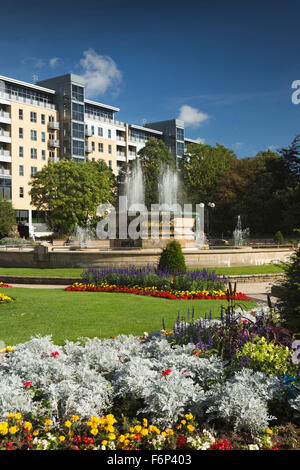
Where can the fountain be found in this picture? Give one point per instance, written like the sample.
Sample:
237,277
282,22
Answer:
240,234
82,236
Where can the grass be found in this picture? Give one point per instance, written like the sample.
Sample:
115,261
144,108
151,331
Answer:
75,272
70,315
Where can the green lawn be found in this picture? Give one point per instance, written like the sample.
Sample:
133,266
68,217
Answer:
75,272
70,315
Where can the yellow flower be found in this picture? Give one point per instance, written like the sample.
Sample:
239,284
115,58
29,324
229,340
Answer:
170,432
179,426
164,434
104,443
10,416
269,431
111,436
13,429
75,418
18,416
35,433
48,422
144,432
131,429
189,416
138,428
121,438
68,424
183,421
190,427
94,431
62,438
126,442
27,426
145,422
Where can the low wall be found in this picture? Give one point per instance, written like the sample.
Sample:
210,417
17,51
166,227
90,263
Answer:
44,257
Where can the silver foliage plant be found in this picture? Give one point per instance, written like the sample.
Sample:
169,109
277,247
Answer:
87,377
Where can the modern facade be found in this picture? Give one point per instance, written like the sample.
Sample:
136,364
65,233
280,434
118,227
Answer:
51,120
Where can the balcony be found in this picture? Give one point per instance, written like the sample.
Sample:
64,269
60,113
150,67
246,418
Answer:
53,126
53,143
5,117
5,136
5,156
88,149
88,132
5,172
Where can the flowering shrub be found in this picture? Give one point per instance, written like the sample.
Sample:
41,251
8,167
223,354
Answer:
2,284
163,279
267,356
5,299
154,292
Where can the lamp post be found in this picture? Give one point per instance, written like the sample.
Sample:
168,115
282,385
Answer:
211,205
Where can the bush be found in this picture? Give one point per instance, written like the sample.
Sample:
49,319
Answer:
172,258
289,294
278,238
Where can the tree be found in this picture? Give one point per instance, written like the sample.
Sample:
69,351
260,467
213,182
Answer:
7,217
201,168
70,192
172,258
289,294
154,157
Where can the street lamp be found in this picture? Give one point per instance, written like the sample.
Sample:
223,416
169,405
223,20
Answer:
212,205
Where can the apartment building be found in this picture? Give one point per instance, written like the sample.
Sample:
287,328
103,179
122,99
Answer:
51,120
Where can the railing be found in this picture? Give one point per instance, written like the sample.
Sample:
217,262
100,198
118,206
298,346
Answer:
5,172
4,153
53,143
104,119
4,114
22,99
54,125
4,133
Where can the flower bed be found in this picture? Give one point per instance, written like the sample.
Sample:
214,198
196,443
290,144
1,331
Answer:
154,292
5,299
165,390
2,284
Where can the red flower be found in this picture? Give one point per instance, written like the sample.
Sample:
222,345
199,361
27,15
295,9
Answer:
221,445
55,354
166,372
27,384
181,442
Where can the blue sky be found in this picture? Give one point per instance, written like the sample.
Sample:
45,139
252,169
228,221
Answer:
225,66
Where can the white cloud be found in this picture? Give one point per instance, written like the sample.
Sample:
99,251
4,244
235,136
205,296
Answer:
99,73
53,62
238,145
192,116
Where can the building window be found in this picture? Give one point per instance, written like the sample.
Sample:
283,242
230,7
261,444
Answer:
179,134
20,132
93,146
32,116
109,133
78,147
21,170
51,118
51,154
43,137
180,148
77,130
21,114
33,153
21,152
33,170
100,147
100,131
109,163
93,130
77,112
43,119
33,135
43,154
109,148
77,93
21,191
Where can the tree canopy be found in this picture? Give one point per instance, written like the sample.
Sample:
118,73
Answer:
7,217
70,192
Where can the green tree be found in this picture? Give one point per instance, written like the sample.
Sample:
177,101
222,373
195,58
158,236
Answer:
172,258
201,168
7,217
70,192
289,294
